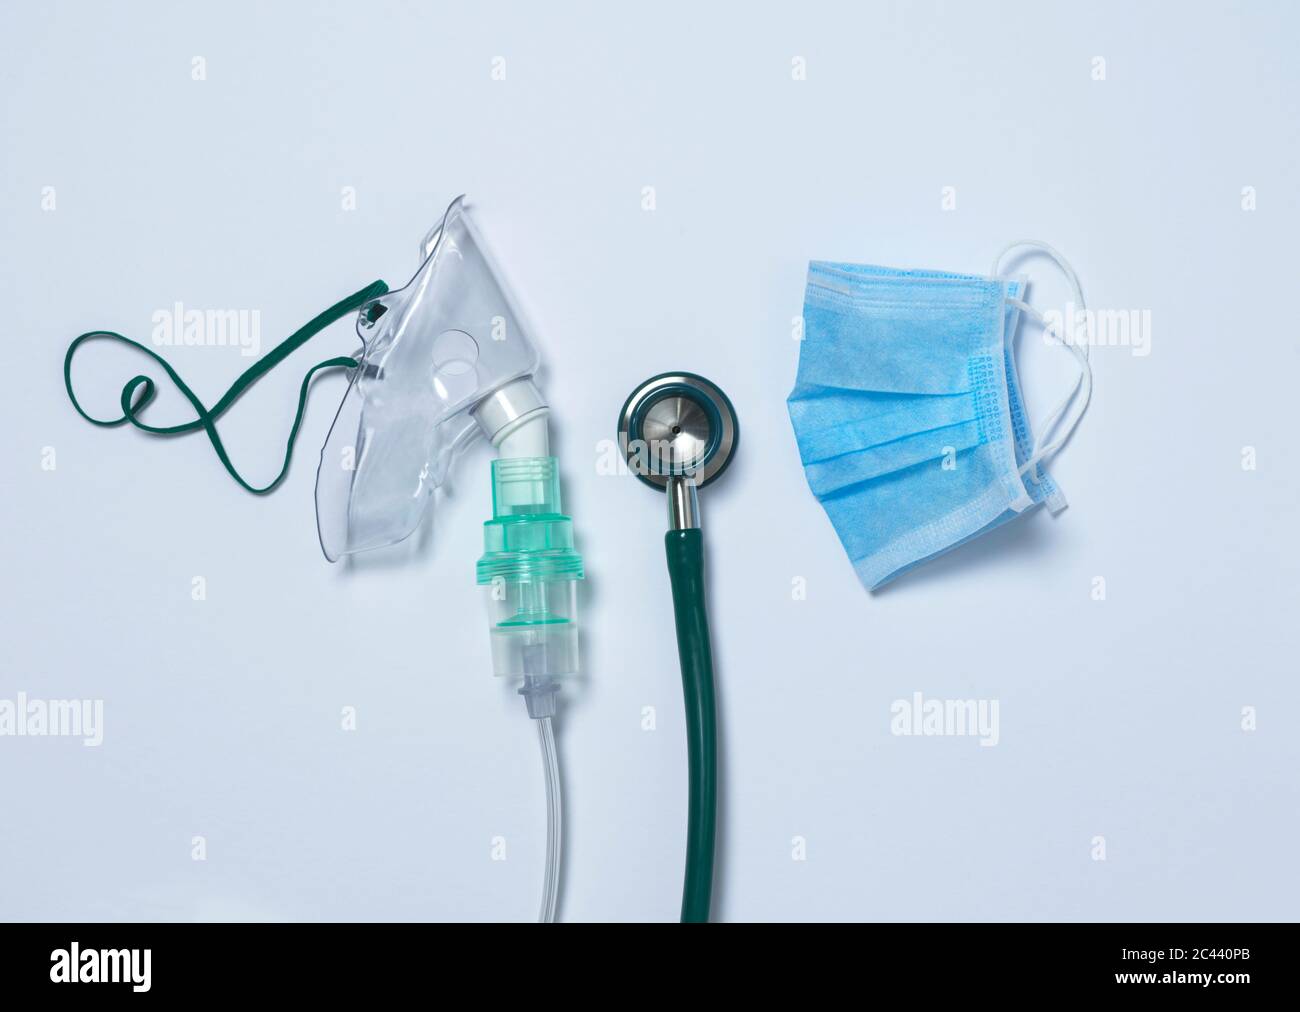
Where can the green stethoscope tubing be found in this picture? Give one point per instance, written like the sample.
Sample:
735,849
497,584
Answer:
685,550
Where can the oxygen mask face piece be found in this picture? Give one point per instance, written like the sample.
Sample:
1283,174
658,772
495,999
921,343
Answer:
434,351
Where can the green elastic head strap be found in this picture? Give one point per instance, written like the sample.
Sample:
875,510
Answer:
139,391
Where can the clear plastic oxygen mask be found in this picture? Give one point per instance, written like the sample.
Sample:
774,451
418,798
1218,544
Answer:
445,356
433,352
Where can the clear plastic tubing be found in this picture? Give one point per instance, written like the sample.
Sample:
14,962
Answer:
554,820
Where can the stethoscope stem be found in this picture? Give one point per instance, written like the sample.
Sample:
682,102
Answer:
683,504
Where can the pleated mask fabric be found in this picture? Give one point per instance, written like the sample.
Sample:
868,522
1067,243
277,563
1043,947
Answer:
908,413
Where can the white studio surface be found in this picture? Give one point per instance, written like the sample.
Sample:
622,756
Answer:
654,183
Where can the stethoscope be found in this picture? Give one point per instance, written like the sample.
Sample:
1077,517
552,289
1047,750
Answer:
678,433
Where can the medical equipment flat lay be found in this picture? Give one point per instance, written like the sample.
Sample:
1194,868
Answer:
907,410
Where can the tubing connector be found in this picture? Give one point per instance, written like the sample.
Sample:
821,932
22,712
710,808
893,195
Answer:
539,692
513,417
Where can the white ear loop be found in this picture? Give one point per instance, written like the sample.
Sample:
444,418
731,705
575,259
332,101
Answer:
1082,386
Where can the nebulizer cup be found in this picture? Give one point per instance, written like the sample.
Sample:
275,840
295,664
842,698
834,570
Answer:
530,570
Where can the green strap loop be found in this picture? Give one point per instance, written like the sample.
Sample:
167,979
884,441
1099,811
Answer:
132,404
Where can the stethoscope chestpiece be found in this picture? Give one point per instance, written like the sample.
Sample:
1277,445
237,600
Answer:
678,425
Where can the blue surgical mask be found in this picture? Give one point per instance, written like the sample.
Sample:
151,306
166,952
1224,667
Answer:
908,413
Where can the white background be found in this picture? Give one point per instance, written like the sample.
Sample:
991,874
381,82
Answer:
1119,718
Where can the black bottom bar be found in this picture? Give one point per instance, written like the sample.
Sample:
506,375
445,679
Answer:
369,960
